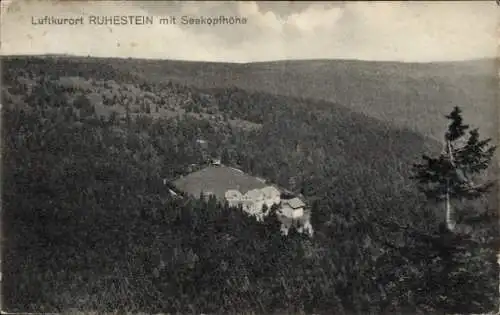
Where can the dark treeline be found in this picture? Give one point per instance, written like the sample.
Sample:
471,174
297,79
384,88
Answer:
88,223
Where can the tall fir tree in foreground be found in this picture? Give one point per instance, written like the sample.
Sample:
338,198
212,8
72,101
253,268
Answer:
456,173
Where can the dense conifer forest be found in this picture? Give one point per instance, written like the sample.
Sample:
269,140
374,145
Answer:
88,223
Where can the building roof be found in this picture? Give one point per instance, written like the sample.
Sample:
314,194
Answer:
233,193
270,190
218,180
254,193
295,203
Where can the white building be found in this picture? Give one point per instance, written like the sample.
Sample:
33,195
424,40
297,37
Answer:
292,208
240,189
254,200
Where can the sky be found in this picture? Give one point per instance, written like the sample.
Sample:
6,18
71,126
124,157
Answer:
395,31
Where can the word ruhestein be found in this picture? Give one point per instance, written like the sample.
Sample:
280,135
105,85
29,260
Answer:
121,20
94,19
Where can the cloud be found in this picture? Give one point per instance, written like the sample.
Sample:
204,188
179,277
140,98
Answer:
405,31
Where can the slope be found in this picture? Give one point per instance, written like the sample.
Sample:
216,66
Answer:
347,159
85,207
411,95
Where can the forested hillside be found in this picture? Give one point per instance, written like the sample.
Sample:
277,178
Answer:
88,223
411,95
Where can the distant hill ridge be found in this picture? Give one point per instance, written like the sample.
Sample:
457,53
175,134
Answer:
410,95
413,95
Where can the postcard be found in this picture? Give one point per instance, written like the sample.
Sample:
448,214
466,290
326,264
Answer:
249,157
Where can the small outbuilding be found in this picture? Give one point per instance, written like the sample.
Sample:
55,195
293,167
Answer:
292,208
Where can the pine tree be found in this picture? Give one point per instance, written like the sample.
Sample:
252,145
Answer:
452,175
127,114
271,224
319,215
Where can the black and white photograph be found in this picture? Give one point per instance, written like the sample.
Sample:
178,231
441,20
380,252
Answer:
249,157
